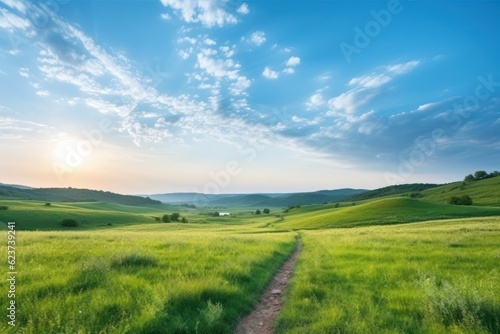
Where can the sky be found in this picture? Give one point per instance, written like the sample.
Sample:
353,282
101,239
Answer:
216,96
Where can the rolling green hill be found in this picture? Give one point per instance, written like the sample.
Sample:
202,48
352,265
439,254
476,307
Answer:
72,195
34,215
381,212
483,192
399,189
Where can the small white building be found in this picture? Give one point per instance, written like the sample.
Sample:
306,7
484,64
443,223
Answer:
222,214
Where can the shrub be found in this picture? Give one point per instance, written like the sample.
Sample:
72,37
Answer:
463,200
184,220
165,218
175,217
47,204
266,211
257,212
69,222
3,207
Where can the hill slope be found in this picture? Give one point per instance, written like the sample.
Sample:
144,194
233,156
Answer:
381,212
483,192
72,195
392,190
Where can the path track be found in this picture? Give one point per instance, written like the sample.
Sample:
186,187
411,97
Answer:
262,318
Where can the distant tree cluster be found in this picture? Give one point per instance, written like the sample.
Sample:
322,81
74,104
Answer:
69,222
266,211
3,207
462,200
192,206
291,207
480,175
173,217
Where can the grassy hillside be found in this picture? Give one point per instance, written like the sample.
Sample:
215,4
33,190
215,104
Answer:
392,191
381,212
483,192
34,215
72,195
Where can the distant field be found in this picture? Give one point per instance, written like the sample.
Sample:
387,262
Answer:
381,212
126,281
34,215
435,277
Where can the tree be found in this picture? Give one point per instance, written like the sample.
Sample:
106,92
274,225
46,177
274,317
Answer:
266,211
165,218
175,217
184,220
480,174
469,178
47,204
257,212
216,214
3,207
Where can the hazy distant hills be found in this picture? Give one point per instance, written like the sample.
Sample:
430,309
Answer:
258,200
71,195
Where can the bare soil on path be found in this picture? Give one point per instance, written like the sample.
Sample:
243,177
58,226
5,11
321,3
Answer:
262,318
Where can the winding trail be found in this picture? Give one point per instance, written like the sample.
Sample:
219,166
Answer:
262,318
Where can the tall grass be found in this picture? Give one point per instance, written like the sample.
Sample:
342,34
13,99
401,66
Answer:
439,277
140,282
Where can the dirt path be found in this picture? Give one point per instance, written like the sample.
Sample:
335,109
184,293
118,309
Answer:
262,318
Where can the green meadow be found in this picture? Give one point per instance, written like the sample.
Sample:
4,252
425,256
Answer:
429,277
389,265
125,281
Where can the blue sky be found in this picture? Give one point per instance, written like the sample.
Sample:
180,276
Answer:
257,96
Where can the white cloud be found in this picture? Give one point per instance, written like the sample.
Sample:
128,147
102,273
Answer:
207,12
165,16
289,70
217,67
241,84
243,9
315,101
370,81
24,72
42,93
365,88
209,41
349,102
228,51
403,68
324,77
270,74
11,22
18,5
293,61
427,106
258,38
